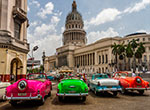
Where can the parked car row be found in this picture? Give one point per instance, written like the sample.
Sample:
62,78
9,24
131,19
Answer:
120,82
37,86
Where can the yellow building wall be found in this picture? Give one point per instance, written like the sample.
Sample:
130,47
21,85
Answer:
3,61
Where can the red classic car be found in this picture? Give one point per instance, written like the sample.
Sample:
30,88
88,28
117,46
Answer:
131,83
35,87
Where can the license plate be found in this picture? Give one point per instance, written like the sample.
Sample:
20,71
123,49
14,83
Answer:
72,91
22,94
72,86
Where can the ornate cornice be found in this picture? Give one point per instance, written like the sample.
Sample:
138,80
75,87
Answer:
6,41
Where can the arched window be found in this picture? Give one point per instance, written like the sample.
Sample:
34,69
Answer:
18,3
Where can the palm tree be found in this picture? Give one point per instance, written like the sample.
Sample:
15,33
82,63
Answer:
135,50
115,52
129,53
134,45
140,51
121,53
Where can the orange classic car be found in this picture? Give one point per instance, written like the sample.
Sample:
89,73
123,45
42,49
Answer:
131,83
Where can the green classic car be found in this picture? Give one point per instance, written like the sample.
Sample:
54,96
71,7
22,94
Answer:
72,87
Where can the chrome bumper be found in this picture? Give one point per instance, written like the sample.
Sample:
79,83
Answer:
109,89
38,97
137,88
79,94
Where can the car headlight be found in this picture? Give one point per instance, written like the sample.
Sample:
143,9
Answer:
22,85
138,80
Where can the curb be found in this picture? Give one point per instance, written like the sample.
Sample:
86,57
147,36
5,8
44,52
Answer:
3,87
2,99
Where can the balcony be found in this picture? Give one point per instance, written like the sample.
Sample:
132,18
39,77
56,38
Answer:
19,13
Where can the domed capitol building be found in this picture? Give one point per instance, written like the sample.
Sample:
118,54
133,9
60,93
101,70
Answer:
96,57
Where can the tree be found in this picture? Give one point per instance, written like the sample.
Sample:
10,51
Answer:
115,52
135,50
121,53
138,54
129,53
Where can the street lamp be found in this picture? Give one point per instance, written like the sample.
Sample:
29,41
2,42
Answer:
43,58
34,49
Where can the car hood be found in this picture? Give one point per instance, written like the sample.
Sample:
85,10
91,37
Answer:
107,82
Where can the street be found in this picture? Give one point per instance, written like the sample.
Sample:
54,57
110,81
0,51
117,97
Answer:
129,101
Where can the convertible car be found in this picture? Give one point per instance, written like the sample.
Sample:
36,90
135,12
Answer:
131,83
101,83
35,87
72,87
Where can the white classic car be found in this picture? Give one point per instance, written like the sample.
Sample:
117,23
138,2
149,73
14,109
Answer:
101,82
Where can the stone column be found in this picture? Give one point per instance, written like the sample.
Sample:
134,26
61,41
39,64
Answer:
92,58
96,58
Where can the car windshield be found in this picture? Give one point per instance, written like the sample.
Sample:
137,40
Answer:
121,75
40,77
101,76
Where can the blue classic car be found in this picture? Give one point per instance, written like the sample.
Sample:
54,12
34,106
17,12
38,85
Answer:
101,82
50,78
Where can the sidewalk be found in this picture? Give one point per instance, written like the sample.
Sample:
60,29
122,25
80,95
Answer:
3,86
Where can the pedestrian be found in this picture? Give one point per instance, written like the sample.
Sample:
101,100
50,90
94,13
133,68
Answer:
133,74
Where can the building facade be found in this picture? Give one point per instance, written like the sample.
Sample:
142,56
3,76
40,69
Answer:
95,57
13,39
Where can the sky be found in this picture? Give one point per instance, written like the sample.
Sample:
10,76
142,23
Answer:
102,18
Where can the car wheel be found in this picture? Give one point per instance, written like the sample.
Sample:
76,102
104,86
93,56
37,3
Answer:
51,87
124,91
49,94
42,101
13,103
95,92
115,93
60,98
90,88
141,92
84,98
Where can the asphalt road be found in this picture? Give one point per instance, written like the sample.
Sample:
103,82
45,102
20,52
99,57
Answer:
129,101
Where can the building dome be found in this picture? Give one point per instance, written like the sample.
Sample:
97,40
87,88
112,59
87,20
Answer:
74,16
74,32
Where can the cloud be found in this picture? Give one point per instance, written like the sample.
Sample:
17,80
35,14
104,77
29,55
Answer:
111,14
33,24
28,9
55,20
47,44
34,2
94,36
137,6
44,29
142,30
104,16
44,36
62,29
48,9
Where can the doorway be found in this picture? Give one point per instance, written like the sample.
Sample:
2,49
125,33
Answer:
15,70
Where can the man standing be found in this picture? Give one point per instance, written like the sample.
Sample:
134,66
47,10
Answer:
133,74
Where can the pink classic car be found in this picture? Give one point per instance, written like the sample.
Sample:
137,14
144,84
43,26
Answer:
35,87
